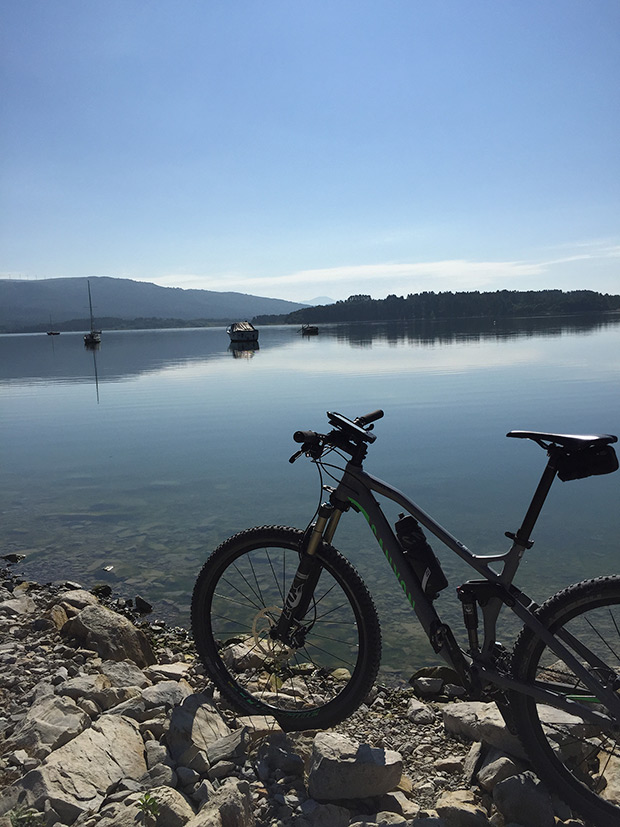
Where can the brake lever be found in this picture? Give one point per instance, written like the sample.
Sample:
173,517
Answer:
295,456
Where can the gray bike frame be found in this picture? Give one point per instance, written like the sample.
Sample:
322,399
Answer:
356,490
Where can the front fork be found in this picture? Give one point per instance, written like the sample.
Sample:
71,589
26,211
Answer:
289,628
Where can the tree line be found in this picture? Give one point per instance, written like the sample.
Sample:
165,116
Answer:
449,305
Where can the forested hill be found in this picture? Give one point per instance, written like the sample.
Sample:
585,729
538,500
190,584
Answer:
448,305
30,305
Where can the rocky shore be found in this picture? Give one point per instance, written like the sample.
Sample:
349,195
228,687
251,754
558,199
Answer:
108,720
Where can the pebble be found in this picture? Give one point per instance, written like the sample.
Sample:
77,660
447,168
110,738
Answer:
37,663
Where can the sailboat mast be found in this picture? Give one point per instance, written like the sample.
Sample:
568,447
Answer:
90,304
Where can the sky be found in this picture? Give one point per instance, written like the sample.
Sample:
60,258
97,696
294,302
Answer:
298,149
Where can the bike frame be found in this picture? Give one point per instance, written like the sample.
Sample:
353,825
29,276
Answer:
355,490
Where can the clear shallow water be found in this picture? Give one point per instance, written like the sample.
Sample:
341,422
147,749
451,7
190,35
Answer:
147,454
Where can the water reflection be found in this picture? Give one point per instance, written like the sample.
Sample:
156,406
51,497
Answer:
243,350
454,331
94,349
128,354
124,354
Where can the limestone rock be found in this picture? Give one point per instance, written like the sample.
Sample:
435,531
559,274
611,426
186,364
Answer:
611,773
323,815
397,802
166,693
124,673
195,724
76,777
343,769
78,598
496,771
241,656
419,712
168,671
459,809
427,687
89,687
50,723
111,635
259,726
18,606
229,806
523,799
173,810
58,616
480,721
231,747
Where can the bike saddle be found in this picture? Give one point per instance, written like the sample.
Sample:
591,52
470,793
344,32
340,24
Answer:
566,440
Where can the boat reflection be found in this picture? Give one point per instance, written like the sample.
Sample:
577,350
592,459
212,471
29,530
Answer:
243,350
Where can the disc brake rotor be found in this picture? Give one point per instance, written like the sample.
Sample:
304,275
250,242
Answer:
270,649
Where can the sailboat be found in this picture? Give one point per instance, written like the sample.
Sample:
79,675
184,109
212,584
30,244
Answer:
51,331
93,338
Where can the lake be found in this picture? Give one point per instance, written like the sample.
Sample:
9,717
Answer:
129,464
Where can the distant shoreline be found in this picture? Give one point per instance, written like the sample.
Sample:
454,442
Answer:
110,324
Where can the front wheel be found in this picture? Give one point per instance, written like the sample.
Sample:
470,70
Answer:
576,758
237,600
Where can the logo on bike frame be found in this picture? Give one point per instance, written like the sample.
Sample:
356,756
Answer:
373,528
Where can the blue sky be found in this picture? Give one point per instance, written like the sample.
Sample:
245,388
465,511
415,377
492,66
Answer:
297,149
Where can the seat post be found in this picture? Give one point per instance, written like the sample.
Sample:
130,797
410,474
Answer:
522,537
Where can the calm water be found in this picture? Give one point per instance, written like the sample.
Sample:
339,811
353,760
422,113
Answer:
145,455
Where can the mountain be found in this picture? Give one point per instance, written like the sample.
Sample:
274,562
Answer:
319,300
29,305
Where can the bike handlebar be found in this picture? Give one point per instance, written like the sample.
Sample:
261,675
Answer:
348,435
304,436
366,419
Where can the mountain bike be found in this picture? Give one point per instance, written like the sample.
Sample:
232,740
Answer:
286,627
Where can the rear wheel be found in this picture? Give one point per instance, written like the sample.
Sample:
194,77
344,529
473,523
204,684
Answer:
578,759
236,603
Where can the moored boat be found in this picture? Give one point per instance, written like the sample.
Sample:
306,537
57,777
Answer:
242,332
309,330
93,338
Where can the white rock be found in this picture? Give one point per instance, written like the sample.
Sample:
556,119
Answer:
229,806
196,724
111,635
76,777
419,712
480,721
50,723
344,769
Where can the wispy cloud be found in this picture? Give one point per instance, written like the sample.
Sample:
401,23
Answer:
382,278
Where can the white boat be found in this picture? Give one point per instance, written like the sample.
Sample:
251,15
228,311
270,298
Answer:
242,332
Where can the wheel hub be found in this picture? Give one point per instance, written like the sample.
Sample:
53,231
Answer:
270,647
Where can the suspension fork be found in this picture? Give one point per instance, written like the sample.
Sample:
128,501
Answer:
306,577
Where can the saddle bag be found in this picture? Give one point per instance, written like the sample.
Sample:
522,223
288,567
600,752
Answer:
588,462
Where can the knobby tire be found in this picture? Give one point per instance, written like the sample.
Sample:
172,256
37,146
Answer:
236,602
578,760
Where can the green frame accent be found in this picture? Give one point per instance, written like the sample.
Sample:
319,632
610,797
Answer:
401,581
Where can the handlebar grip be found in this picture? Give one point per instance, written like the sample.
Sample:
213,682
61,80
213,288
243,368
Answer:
304,436
366,419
